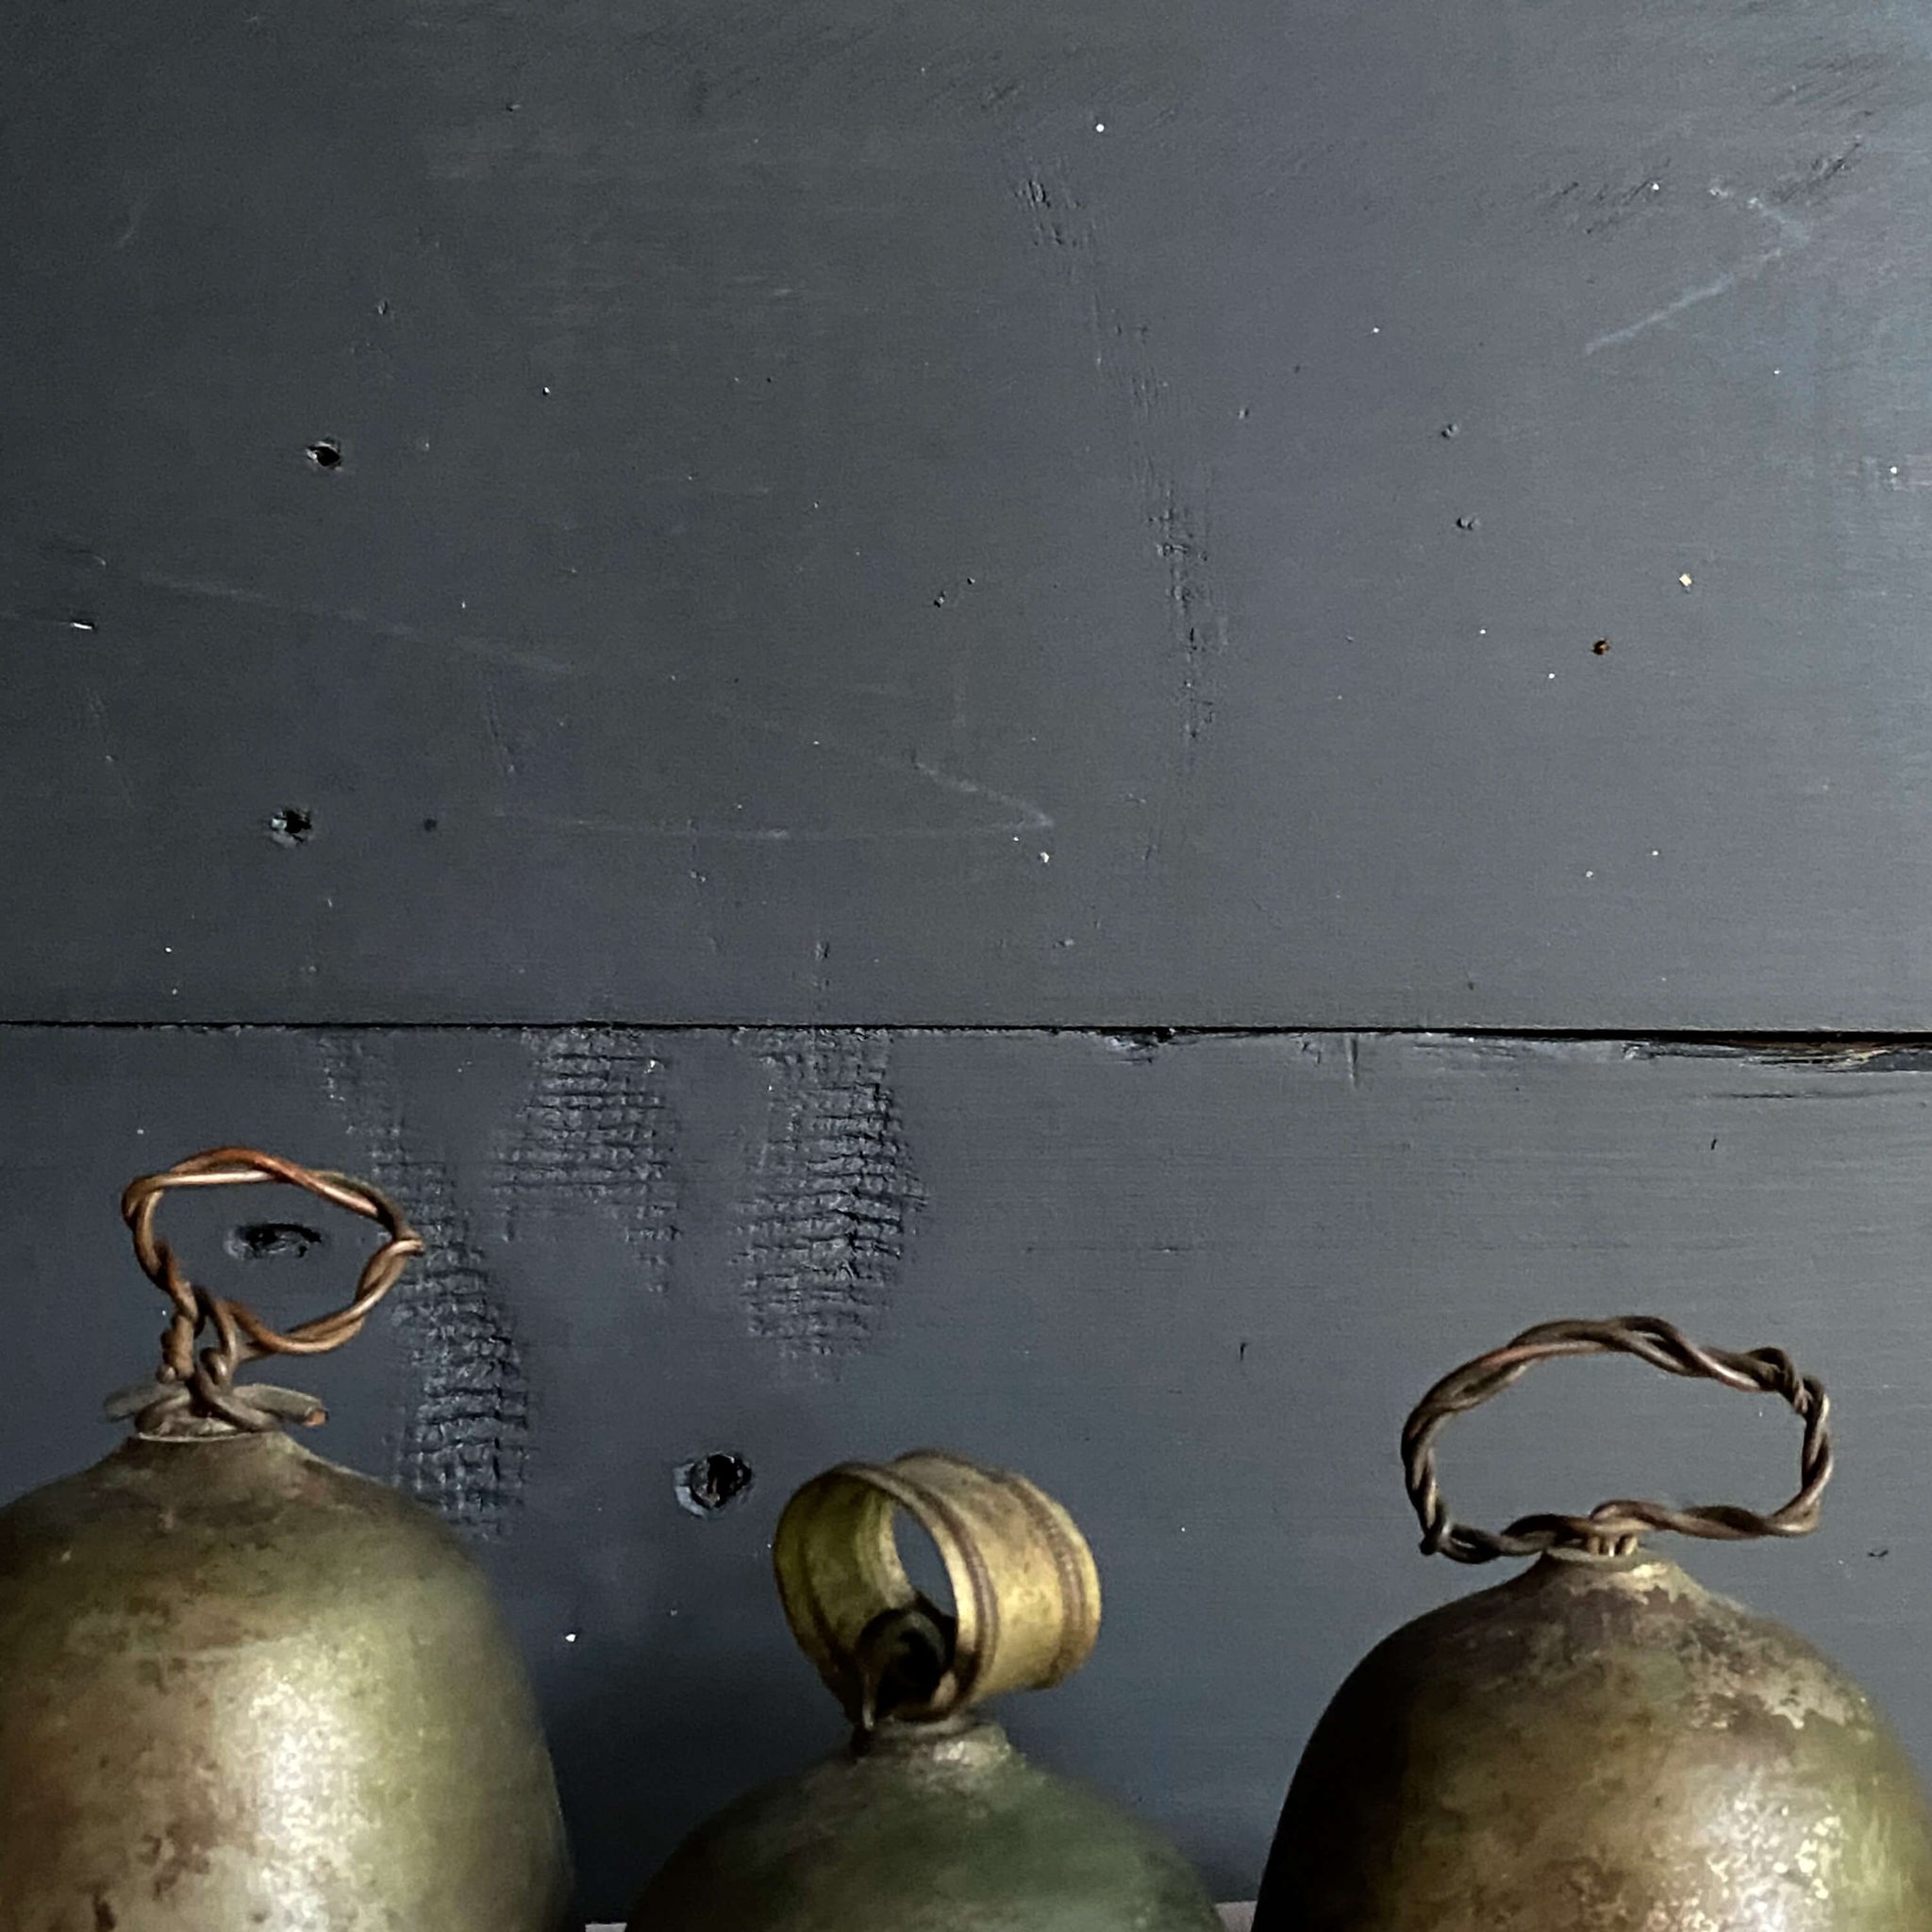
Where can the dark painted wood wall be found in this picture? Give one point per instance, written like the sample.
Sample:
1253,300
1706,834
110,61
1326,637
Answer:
924,716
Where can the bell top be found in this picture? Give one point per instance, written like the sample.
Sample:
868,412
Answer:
244,1689
1601,1743
941,1828
930,1820
1595,1746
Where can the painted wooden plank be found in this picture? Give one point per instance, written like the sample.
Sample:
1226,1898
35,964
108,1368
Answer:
1229,514
1191,1288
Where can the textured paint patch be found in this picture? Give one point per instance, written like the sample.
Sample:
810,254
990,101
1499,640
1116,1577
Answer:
465,1434
824,1229
595,1135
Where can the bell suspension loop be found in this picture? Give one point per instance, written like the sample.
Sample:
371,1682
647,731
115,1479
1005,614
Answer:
929,1814
1613,1528
1600,1740
194,1392
1026,1591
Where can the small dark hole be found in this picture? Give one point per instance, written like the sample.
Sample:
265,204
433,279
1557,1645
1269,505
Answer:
907,1651
292,825
1601,648
326,454
713,1483
430,824
1469,523
263,1241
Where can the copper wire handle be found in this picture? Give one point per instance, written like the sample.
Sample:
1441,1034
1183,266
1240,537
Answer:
196,1388
1613,1528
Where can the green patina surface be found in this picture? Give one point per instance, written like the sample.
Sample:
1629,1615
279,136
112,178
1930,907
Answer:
936,1829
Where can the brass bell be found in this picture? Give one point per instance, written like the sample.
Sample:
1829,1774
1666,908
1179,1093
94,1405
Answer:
1600,1744
242,1689
931,1821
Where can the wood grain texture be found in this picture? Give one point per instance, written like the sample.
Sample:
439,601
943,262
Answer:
1191,1288
889,512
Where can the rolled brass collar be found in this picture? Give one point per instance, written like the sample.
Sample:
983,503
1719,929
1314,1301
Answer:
1025,1592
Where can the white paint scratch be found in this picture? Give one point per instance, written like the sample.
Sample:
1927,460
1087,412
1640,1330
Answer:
1690,298
1017,815
103,733
697,831
1020,815
134,215
1794,234
487,649
1031,819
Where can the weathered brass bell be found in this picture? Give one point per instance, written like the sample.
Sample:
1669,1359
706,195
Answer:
242,1689
932,1822
1600,1744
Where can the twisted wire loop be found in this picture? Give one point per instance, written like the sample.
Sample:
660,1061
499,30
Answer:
1615,1527
194,1392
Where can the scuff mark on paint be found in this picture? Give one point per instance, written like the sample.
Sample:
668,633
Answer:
596,1134
486,649
137,208
832,1198
1904,470
1863,81
1610,204
1018,815
1689,298
104,735
503,749
1199,630
464,1445
1821,179
1793,235
1175,479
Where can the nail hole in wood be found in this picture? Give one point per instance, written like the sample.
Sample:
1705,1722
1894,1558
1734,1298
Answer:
263,1240
713,1483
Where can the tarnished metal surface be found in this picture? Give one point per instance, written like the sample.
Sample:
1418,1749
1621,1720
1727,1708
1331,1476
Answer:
940,1827
1600,1746
244,1690
930,1821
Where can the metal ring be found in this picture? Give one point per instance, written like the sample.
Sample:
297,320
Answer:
204,1381
1615,1527
1026,1591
